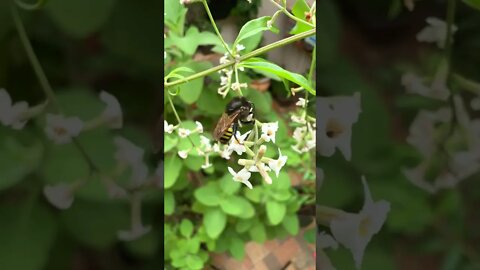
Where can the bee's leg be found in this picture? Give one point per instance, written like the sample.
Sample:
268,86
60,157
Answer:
235,128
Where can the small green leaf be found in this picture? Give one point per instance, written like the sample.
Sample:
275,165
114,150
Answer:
194,163
299,9
232,205
169,203
291,224
243,225
275,212
194,262
473,3
254,195
174,165
237,248
282,182
208,195
214,222
261,64
309,236
258,233
253,27
229,186
186,228
169,142
193,245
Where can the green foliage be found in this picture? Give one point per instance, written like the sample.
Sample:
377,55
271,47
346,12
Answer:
473,3
300,8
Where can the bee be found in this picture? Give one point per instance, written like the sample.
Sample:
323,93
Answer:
237,112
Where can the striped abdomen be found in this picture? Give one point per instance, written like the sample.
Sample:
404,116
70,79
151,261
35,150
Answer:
226,135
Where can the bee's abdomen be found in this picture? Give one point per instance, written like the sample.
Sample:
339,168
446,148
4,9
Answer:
226,136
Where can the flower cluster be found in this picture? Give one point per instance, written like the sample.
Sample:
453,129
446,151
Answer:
227,81
304,133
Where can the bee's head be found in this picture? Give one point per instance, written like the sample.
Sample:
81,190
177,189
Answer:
239,104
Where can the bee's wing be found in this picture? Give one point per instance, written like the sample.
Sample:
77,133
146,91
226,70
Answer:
223,124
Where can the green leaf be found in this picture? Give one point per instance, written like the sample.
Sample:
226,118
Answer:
282,182
169,142
253,27
98,228
17,161
291,224
232,205
229,186
237,248
275,212
254,195
473,3
186,228
175,15
193,245
208,195
21,224
309,236
79,18
243,225
146,246
194,163
211,103
192,39
64,163
190,91
258,233
169,203
174,165
214,221
194,262
299,9
261,64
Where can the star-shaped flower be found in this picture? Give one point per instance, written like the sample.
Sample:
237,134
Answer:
278,164
169,128
11,114
113,112
238,146
242,176
60,195
269,130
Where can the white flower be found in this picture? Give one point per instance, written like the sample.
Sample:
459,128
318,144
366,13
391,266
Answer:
254,168
238,146
242,176
301,102
113,189
169,128
224,59
298,119
207,163
226,153
134,233
269,130
224,80
183,133
278,164
435,32
237,86
60,195
183,154
264,172
354,231
299,133
325,241
127,152
240,48
335,127
11,114
199,127
62,129
113,112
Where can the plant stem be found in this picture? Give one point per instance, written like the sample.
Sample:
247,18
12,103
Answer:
312,65
290,15
44,83
32,6
47,89
174,110
259,51
216,28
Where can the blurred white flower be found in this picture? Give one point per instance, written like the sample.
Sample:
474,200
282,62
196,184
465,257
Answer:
199,127
435,32
298,119
269,130
134,233
335,127
262,169
299,133
169,128
326,241
113,112
242,176
62,129
354,231
11,114
301,102
254,168
240,47
237,86
59,195
278,164
127,152
183,154
113,189
183,133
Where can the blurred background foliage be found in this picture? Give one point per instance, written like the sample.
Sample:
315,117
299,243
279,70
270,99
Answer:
366,47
